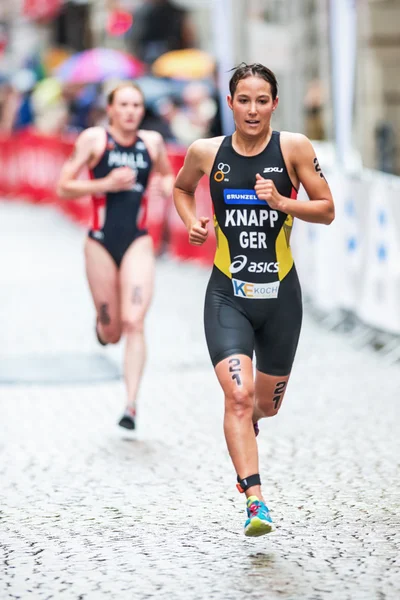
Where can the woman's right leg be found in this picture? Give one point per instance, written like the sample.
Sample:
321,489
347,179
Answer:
235,375
102,275
230,341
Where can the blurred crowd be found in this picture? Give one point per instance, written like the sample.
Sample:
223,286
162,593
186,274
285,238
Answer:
53,108
181,97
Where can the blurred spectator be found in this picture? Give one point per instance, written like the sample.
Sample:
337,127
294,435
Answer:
23,83
72,26
6,115
97,115
4,26
194,119
154,121
15,107
81,100
158,27
215,127
385,140
50,108
314,104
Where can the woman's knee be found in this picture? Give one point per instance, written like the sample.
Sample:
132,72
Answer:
270,394
269,409
110,335
270,406
133,326
240,401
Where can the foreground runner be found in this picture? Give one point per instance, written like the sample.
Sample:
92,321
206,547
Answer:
253,299
119,251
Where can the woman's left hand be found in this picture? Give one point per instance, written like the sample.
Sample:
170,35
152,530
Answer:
266,190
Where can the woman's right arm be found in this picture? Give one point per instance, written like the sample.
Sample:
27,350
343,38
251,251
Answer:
184,189
68,186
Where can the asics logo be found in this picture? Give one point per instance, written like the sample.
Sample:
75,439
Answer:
240,262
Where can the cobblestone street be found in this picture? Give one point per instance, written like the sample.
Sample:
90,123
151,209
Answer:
88,512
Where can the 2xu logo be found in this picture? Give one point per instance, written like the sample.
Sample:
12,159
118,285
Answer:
273,170
240,261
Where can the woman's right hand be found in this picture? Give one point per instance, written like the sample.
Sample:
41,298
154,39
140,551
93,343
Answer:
120,179
198,231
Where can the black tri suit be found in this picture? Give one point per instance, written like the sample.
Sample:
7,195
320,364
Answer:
253,299
119,217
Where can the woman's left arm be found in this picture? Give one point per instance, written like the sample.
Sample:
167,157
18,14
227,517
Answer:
302,158
162,165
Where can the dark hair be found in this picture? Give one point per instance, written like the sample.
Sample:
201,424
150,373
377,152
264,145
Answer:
121,86
255,70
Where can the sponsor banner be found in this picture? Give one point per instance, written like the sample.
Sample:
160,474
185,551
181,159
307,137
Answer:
304,249
353,222
315,249
380,284
328,258
255,291
354,264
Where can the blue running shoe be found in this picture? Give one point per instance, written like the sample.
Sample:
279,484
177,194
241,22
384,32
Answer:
259,520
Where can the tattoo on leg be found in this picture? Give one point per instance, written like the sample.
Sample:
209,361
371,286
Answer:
137,295
104,317
235,369
278,393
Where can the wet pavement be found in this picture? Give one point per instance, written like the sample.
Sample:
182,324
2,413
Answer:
89,512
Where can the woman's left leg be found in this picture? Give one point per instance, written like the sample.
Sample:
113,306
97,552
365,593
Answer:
275,347
269,393
136,284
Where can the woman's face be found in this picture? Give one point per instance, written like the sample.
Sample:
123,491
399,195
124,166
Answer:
127,110
252,105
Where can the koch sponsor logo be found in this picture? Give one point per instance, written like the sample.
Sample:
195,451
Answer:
242,197
241,261
273,170
255,291
223,170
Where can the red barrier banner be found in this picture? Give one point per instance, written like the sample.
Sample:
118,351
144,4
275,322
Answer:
178,242
30,168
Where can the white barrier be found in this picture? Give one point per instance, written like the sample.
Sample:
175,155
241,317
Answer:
379,304
354,264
